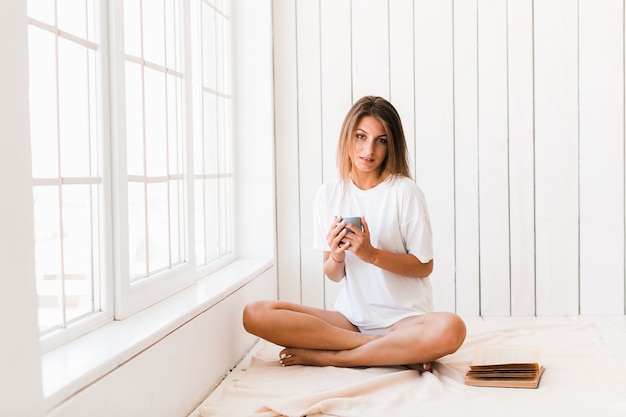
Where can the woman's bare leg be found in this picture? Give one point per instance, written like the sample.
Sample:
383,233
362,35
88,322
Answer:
298,326
414,342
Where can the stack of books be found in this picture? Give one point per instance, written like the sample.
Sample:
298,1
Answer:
505,366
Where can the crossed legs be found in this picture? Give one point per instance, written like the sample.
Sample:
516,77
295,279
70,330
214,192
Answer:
318,337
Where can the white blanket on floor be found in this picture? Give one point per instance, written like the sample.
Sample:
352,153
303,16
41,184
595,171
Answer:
582,378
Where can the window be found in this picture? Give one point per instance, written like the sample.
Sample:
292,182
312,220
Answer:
66,158
132,154
213,157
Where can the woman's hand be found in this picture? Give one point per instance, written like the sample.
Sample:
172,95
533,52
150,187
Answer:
358,242
399,263
334,237
334,261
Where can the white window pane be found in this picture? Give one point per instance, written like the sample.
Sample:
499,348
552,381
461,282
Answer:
209,68
50,312
198,221
223,6
222,55
153,31
48,256
74,108
132,27
227,129
173,34
177,222
80,262
134,119
136,230
43,103
226,64
95,118
78,296
42,10
156,116
72,17
210,132
223,135
225,215
212,226
198,154
175,121
158,227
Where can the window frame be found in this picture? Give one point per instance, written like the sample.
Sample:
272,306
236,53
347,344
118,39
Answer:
132,297
222,89
120,297
51,338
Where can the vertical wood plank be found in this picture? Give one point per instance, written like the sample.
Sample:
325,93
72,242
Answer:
521,147
466,157
493,158
336,70
434,136
336,77
370,48
556,156
309,144
286,128
401,65
601,157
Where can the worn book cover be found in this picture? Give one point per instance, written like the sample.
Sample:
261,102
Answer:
505,366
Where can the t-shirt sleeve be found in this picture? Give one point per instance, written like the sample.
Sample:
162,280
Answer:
416,228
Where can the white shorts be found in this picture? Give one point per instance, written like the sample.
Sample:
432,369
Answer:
383,330
374,331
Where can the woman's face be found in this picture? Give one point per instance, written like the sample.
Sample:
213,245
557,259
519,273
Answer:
369,148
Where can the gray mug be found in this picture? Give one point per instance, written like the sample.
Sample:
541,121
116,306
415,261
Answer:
353,220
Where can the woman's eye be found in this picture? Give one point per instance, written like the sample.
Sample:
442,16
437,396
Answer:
360,136
381,140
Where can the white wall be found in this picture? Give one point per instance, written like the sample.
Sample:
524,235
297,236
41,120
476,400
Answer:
172,377
20,376
514,112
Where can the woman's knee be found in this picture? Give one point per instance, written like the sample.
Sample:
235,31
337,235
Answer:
255,314
447,332
455,332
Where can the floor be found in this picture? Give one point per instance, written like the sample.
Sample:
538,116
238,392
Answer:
612,329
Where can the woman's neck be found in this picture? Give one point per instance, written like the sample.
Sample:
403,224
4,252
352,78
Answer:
369,180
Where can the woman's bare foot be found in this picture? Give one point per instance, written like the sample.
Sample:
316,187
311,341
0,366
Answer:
421,367
293,356
312,357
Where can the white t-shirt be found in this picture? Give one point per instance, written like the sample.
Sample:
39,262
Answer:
396,213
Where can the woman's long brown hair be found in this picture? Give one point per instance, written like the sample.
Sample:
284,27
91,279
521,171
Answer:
396,161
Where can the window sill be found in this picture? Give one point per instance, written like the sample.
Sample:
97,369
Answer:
77,364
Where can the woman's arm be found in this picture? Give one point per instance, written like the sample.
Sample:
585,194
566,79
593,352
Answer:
334,260
334,269
403,264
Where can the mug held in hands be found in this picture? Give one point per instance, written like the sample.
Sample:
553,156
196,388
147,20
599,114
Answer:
352,220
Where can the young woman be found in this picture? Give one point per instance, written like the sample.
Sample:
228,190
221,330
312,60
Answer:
383,314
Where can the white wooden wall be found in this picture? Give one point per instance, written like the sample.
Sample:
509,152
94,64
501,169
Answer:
514,113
